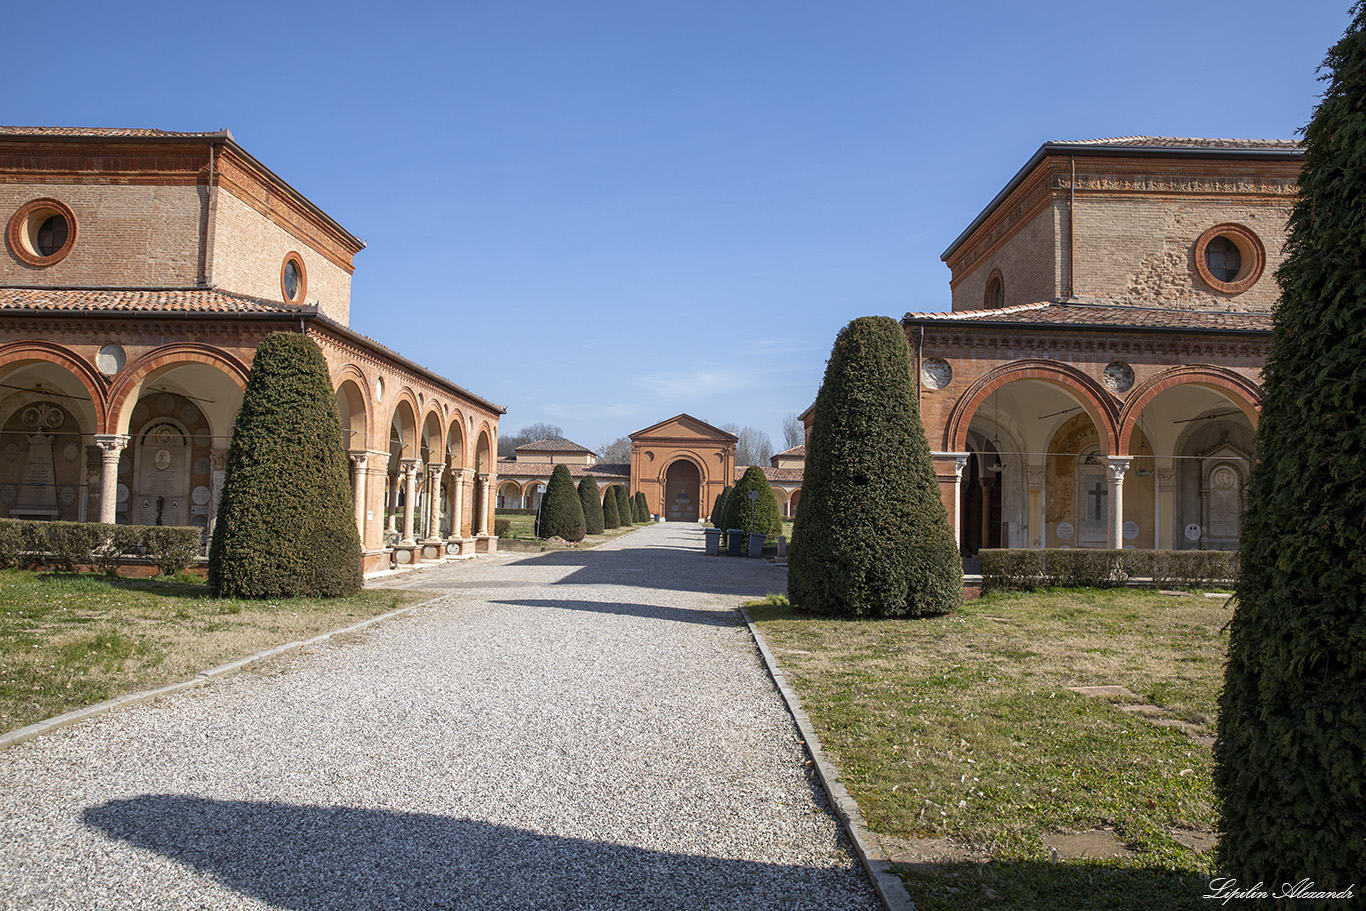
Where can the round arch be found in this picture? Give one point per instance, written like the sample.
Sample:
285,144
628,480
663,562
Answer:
211,378
1238,389
1089,394
402,443
682,483
354,412
20,354
455,439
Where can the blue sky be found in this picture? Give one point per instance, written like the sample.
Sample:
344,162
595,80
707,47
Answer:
602,214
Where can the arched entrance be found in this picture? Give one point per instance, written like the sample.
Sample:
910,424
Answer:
682,492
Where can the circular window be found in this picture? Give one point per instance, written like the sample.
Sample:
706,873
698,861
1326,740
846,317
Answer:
293,278
1229,258
42,232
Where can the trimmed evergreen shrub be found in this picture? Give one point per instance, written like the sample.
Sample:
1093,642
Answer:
561,511
759,514
286,522
641,508
610,517
68,546
871,535
591,501
501,527
624,505
1290,759
718,509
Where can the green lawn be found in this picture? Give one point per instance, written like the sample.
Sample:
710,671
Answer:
68,641
962,727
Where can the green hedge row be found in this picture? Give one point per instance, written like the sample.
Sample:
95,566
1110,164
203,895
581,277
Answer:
500,511
70,545
1024,570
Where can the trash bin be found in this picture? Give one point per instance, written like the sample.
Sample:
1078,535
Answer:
713,541
756,544
735,542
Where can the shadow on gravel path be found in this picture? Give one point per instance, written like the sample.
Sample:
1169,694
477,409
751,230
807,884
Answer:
347,859
646,611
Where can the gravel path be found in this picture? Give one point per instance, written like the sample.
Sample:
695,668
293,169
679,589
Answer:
563,730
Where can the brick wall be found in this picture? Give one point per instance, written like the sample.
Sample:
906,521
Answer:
127,236
1031,264
248,250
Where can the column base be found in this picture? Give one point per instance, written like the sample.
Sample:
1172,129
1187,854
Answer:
433,550
486,544
404,555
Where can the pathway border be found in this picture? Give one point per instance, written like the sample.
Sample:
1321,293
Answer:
888,886
203,678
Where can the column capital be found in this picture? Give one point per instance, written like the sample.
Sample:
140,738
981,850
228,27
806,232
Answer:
409,466
111,442
359,457
1117,465
436,468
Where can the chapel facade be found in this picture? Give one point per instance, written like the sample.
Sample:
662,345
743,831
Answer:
141,270
1097,380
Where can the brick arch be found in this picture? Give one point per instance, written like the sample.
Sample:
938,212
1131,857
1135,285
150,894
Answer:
1240,390
1090,394
126,387
77,366
456,429
349,373
684,456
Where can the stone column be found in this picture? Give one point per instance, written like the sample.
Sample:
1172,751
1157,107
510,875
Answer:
410,467
434,471
111,446
1035,478
1166,504
986,482
1117,465
481,501
358,459
218,465
391,520
960,461
460,477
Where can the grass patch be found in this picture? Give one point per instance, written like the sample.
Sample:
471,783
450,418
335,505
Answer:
523,528
68,641
961,727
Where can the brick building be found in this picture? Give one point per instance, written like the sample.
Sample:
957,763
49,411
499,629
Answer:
141,269
1096,383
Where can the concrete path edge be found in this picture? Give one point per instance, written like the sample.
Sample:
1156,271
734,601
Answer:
890,890
38,728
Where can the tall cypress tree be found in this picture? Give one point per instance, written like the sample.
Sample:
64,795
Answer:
589,498
1290,759
871,534
624,505
561,511
640,507
286,522
610,516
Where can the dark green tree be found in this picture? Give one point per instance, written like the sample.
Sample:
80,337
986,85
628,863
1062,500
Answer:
590,499
718,509
640,507
610,517
561,512
286,523
872,537
624,505
759,514
1290,759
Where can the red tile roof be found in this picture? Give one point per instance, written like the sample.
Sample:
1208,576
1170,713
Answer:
773,474
795,451
557,444
104,133
1103,315
1179,142
137,300
603,471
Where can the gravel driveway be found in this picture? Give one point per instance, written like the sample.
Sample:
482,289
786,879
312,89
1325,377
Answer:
566,730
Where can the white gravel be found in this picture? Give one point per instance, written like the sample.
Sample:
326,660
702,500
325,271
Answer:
570,730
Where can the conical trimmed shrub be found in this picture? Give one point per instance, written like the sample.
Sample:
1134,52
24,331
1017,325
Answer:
590,500
610,516
871,537
286,523
561,511
759,514
640,507
1290,758
624,505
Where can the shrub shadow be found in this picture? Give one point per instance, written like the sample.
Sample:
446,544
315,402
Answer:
1033,885
646,611
346,859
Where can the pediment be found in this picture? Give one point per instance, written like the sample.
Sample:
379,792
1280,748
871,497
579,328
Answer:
683,427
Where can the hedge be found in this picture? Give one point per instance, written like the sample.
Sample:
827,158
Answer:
68,546
1027,569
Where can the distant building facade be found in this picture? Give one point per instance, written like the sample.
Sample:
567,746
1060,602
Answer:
1096,383
141,270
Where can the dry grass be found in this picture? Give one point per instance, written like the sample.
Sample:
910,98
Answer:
68,641
962,727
